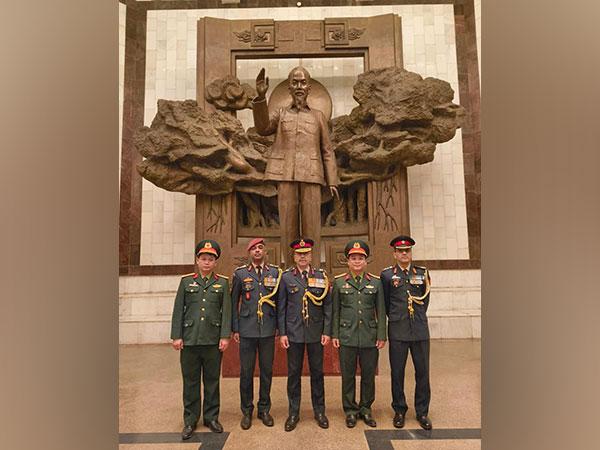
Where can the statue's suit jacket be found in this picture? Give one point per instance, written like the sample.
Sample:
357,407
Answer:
302,150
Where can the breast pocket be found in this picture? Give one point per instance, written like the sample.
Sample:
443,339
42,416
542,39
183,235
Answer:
292,289
288,125
191,294
309,126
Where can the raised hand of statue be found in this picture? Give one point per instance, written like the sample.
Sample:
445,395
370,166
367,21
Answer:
262,84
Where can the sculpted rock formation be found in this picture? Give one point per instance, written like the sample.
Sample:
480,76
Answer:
400,119
228,94
189,150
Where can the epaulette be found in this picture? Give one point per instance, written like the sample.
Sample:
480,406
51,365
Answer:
420,267
241,267
288,269
273,265
388,267
373,275
340,275
188,275
223,276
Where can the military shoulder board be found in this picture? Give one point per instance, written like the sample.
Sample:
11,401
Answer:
374,276
340,275
223,276
188,275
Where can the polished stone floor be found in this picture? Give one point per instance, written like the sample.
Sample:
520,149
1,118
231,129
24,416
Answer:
150,410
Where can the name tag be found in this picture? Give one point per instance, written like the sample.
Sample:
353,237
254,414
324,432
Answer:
270,281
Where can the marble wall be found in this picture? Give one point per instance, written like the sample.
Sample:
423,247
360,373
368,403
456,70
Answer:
146,305
436,190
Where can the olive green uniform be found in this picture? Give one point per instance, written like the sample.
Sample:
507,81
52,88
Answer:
358,322
201,317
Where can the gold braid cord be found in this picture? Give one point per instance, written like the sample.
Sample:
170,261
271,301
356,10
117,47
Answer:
417,300
267,298
317,301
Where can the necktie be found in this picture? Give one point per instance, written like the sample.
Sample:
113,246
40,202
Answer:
305,276
405,271
259,271
204,280
358,279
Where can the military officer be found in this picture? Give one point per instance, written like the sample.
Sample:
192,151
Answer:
304,318
254,325
200,328
406,290
358,331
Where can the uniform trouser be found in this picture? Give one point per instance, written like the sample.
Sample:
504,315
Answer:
266,351
419,351
295,358
196,361
290,195
367,357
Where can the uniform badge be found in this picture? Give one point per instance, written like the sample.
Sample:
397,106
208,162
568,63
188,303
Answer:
370,286
416,280
217,286
396,282
270,281
194,284
247,280
346,286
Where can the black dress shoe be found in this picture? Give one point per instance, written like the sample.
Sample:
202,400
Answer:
246,422
351,420
322,420
291,423
399,420
187,432
266,418
424,422
214,426
368,419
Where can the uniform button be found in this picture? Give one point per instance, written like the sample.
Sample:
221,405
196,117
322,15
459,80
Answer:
201,318
203,309
359,302
203,299
360,311
360,321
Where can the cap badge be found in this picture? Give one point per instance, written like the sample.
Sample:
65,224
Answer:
302,243
207,245
356,245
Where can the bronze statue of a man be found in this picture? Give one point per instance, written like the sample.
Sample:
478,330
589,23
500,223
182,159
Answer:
301,159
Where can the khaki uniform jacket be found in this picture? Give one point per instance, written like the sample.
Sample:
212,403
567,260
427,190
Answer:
358,311
202,312
302,150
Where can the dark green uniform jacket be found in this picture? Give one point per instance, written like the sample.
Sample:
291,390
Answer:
202,311
358,311
396,285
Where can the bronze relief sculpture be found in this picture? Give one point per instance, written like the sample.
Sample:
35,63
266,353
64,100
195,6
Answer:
301,158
